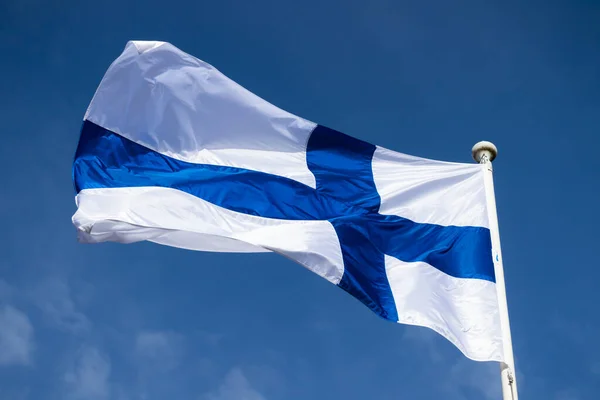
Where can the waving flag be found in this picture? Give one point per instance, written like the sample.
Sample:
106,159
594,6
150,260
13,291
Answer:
174,152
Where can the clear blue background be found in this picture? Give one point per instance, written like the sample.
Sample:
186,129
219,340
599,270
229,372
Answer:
143,321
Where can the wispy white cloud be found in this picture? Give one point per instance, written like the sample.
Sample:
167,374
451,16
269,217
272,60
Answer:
159,349
156,356
88,377
471,376
16,337
464,377
54,298
209,338
568,394
427,339
235,386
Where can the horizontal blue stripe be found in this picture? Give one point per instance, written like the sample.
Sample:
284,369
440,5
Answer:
107,160
345,195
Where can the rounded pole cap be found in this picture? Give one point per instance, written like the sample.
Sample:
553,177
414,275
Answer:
484,149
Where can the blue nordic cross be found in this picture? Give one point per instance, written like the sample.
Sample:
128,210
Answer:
345,195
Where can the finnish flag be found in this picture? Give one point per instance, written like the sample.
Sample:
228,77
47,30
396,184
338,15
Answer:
174,152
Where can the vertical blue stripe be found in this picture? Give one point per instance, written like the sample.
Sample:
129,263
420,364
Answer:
342,167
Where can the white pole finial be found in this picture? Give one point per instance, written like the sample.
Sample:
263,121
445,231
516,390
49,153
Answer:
485,153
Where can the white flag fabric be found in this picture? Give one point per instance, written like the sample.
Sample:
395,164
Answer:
174,152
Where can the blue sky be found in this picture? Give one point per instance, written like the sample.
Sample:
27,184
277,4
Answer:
143,321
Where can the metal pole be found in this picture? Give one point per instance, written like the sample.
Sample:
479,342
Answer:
484,153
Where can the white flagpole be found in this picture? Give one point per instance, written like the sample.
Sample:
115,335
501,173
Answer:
484,153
